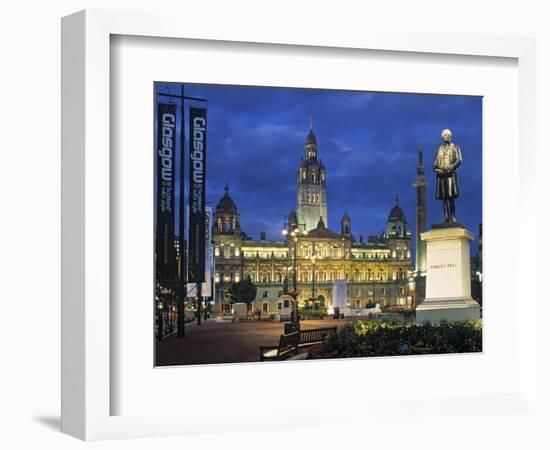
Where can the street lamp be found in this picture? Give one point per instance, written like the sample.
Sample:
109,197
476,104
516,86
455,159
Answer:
293,231
313,279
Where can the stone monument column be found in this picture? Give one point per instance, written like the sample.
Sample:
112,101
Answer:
448,294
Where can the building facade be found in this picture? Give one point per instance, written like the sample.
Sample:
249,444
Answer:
377,270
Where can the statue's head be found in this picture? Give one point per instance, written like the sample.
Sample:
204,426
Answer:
446,134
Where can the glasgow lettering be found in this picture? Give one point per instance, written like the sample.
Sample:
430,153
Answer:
197,187
166,152
197,152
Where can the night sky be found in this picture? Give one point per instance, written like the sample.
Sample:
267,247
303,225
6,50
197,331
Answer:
368,142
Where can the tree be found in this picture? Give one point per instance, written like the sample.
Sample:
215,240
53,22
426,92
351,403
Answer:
242,292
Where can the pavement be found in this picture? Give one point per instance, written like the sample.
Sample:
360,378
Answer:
227,342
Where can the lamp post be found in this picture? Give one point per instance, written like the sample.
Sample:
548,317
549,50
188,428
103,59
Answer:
293,231
313,279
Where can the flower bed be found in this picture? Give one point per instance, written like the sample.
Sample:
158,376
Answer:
374,338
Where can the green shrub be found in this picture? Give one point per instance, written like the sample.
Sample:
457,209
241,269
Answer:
374,338
313,313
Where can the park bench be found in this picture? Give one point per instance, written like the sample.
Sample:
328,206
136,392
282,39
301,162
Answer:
291,342
315,336
288,345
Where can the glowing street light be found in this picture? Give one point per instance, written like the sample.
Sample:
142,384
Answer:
295,231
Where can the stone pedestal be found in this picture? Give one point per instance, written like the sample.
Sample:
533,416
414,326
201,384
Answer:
448,281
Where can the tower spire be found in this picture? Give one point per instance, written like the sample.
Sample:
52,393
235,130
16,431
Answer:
310,122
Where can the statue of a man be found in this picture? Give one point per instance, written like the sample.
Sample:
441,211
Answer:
445,166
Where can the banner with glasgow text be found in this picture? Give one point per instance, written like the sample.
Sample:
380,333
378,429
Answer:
166,181
197,197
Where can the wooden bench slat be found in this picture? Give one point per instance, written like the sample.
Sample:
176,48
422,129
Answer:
289,343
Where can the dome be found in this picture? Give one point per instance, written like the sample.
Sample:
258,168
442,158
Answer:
226,203
396,212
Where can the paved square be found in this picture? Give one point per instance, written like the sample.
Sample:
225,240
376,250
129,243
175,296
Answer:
214,342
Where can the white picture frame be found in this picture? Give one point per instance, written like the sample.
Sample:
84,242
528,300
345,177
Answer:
87,385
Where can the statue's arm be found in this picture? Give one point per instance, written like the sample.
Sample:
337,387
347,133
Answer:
458,159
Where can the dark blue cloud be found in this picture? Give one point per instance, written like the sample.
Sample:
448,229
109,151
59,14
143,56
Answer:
368,142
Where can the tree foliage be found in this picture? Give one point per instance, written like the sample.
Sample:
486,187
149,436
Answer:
243,291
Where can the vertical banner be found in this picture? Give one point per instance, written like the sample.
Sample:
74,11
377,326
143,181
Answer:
197,189
207,289
209,254
166,181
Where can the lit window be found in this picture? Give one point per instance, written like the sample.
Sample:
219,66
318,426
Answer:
237,252
237,277
217,277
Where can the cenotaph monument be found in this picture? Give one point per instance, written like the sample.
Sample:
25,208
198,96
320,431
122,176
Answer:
448,291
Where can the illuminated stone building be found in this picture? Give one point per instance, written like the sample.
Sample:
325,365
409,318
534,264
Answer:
377,270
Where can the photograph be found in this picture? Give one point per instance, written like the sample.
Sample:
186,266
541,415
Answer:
297,224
